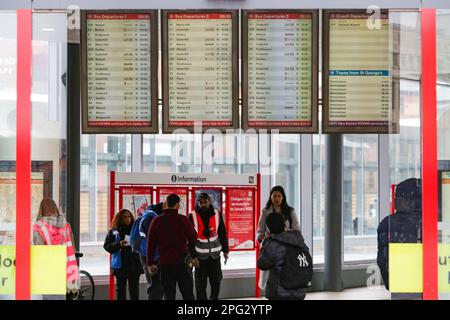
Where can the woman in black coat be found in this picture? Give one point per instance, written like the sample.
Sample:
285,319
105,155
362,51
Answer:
125,263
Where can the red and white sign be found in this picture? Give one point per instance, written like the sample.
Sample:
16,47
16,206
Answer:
241,219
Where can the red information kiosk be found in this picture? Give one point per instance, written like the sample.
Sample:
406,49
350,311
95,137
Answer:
236,195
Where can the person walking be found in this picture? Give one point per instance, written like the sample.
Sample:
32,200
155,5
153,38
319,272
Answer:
403,226
124,263
277,203
211,239
138,239
285,255
173,236
52,228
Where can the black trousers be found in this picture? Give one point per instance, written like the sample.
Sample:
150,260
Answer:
173,274
154,287
133,286
209,268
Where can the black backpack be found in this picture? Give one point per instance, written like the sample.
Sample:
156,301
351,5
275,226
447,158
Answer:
297,270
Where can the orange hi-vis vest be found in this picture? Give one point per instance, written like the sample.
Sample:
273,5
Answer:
61,236
204,246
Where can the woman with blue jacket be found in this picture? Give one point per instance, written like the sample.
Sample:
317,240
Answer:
124,263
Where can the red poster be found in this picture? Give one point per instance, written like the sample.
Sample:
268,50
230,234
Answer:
135,199
163,193
241,219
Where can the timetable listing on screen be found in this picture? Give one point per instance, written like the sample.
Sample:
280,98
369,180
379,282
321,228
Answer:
118,69
360,82
200,69
279,58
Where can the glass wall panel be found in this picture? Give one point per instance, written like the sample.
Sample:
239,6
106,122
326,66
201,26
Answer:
360,197
172,153
8,72
100,154
48,147
318,198
49,119
286,156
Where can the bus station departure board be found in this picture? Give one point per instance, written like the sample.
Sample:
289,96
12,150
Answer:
360,85
280,68
200,69
119,71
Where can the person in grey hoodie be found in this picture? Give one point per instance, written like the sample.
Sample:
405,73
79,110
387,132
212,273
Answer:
272,257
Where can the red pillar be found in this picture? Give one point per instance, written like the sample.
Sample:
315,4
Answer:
258,212
429,157
112,208
23,155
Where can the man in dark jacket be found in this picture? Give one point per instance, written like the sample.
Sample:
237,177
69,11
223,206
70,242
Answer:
171,233
404,226
154,288
211,239
272,257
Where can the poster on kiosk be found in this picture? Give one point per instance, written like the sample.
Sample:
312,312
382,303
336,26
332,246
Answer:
240,219
136,200
163,193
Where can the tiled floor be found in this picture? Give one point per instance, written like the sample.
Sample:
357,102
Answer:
365,293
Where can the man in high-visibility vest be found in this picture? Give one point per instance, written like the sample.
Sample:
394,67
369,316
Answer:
211,239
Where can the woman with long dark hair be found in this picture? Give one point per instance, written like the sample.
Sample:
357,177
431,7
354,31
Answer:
277,203
125,263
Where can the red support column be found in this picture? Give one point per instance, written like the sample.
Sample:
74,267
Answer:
112,207
258,212
429,157
23,155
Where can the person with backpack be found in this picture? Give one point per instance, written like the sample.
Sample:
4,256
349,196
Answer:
138,240
277,203
52,228
286,256
403,226
124,263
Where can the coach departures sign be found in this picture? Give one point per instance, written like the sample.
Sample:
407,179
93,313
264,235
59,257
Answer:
358,78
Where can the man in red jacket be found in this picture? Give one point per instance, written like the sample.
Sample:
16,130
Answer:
174,236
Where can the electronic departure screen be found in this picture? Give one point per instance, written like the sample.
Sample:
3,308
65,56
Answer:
200,72
280,70
119,71
359,87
